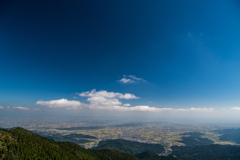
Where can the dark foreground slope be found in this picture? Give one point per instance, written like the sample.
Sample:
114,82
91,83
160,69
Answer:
148,155
198,148
129,146
207,152
195,139
19,143
232,135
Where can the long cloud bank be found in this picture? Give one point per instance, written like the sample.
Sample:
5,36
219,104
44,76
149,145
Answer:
104,100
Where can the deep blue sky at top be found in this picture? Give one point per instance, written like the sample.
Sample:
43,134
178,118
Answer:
188,51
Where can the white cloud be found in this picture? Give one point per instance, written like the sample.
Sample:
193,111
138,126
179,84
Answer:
235,109
21,108
201,109
126,105
103,103
1,107
107,94
60,103
143,108
104,100
131,79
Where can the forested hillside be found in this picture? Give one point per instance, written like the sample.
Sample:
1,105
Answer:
129,146
195,139
232,135
19,143
207,152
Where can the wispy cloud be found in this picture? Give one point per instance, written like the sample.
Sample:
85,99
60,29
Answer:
11,108
131,79
21,108
235,109
154,109
126,80
201,109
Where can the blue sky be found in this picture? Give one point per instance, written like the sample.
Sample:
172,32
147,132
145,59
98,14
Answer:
183,54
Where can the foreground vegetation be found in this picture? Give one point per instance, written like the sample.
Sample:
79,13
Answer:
19,143
207,152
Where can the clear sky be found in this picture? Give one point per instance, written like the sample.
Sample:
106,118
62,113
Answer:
122,56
